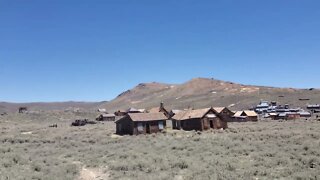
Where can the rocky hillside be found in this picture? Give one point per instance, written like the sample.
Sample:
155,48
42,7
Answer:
203,92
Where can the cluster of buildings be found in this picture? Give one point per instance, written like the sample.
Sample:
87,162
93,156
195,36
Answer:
277,112
140,121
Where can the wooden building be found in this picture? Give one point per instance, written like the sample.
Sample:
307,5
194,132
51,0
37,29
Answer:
106,117
174,112
133,110
141,123
292,115
120,113
161,109
242,116
251,115
305,114
239,117
224,113
199,120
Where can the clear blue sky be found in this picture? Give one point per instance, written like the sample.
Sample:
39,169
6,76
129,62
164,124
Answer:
92,50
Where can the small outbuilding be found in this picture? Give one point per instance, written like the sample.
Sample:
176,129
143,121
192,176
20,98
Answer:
292,115
141,123
251,115
241,116
305,114
120,113
106,117
133,110
313,106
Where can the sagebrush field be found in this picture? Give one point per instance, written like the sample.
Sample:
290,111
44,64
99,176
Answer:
30,149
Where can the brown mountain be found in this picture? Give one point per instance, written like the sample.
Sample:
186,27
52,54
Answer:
203,92
196,93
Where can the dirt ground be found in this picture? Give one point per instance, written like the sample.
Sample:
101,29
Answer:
30,149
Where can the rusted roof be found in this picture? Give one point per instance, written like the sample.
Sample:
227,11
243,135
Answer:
191,114
147,116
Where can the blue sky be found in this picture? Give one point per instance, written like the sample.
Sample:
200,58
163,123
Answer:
57,50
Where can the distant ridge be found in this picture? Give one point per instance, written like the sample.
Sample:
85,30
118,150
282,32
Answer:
196,93
205,92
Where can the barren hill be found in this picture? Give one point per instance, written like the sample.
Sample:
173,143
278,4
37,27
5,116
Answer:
203,92
196,93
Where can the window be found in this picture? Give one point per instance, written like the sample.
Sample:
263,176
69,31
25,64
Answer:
140,127
160,125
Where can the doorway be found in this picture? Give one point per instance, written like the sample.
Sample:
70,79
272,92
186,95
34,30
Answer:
211,123
148,128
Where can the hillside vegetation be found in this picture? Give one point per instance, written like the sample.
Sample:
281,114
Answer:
29,149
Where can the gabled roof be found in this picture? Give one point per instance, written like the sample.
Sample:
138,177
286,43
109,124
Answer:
147,116
250,113
218,109
191,114
238,113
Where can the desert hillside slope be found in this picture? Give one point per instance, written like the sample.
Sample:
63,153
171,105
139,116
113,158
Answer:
204,92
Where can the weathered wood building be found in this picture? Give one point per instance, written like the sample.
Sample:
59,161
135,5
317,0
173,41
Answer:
161,109
224,113
141,123
200,119
120,113
106,117
241,116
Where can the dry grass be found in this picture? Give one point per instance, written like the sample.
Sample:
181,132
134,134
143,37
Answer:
29,149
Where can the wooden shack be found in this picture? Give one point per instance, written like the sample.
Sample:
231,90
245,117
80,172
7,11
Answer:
305,114
292,115
199,120
242,116
239,117
120,113
23,109
106,117
141,123
224,113
133,110
251,115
